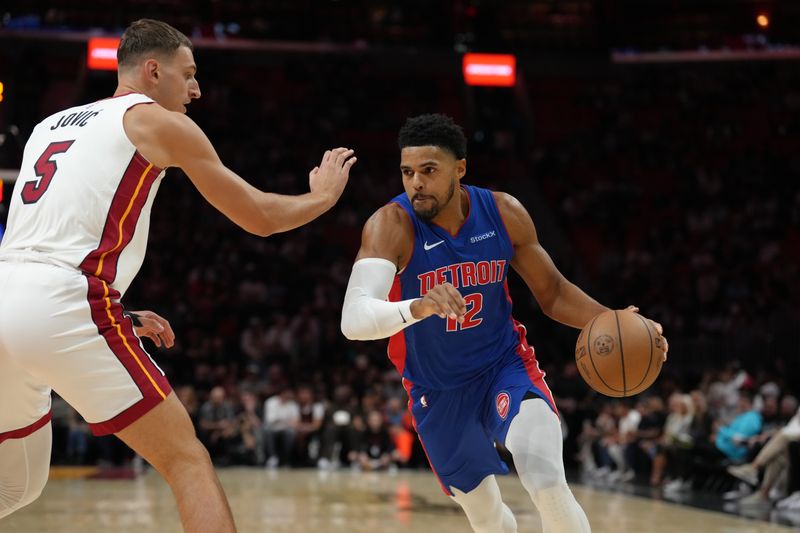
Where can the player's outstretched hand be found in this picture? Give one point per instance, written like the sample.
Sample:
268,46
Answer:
330,177
443,301
155,328
658,327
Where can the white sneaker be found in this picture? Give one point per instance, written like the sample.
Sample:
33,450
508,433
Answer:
627,476
601,473
755,500
776,493
678,485
272,463
746,473
324,463
790,502
614,476
741,491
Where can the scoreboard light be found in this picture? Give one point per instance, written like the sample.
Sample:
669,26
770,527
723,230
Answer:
1,191
102,54
492,70
2,87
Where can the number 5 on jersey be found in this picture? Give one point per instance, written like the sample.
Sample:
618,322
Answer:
474,306
45,169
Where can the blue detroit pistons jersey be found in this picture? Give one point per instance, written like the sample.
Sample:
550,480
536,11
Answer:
439,353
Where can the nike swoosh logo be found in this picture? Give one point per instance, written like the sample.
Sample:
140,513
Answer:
429,246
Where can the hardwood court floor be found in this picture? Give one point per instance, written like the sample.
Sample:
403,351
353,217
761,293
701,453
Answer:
309,501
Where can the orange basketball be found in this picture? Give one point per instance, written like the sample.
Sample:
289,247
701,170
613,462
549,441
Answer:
619,353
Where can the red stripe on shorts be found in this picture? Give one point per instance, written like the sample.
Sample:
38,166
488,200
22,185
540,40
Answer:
536,374
117,330
27,430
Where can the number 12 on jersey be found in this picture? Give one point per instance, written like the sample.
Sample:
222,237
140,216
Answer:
474,306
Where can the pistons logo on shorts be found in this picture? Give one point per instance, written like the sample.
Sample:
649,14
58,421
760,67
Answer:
502,402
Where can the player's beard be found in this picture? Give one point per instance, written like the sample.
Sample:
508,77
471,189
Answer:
430,213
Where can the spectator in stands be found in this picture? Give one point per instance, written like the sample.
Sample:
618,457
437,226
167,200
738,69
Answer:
723,394
375,450
340,427
731,439
773,459
642,448
281,418
312,413
217,426
251,445
792,502
594,439
676,434
628,422
188,397
680,470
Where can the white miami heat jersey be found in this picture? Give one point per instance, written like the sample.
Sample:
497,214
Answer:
84,194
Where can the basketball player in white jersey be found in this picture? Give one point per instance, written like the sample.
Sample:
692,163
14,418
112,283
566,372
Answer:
77,232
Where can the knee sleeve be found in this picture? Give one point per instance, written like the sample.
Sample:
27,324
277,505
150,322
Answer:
535,441
485,509
24,467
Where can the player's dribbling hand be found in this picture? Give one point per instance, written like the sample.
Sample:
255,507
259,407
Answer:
331,175
155,328
443,301
658,327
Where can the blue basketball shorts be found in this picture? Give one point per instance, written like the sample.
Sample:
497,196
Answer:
458,428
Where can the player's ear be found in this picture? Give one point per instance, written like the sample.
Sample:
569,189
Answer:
151,69
461,168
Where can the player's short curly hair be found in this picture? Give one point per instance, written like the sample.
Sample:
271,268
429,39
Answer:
433,129
146,36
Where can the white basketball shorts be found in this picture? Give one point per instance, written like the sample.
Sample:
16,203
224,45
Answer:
64,330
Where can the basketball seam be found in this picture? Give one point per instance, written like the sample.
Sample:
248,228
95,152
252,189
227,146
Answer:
649,362
621,356
597,372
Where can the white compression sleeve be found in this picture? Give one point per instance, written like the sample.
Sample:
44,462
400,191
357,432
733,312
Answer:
366,315
24,467
535,442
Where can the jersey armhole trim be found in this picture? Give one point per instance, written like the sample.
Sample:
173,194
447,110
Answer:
138,153
502,223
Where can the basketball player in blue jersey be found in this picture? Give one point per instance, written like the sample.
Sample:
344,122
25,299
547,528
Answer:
440,253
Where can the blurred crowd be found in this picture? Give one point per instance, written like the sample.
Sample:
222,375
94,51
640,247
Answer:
730,428
669,187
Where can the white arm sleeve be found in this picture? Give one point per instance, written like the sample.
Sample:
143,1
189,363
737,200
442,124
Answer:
366,315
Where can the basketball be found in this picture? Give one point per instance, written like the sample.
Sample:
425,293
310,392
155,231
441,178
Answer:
619,353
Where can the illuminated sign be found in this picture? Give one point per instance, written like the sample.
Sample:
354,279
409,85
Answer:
102,53
494,70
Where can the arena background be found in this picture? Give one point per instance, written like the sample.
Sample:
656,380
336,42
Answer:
656,145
